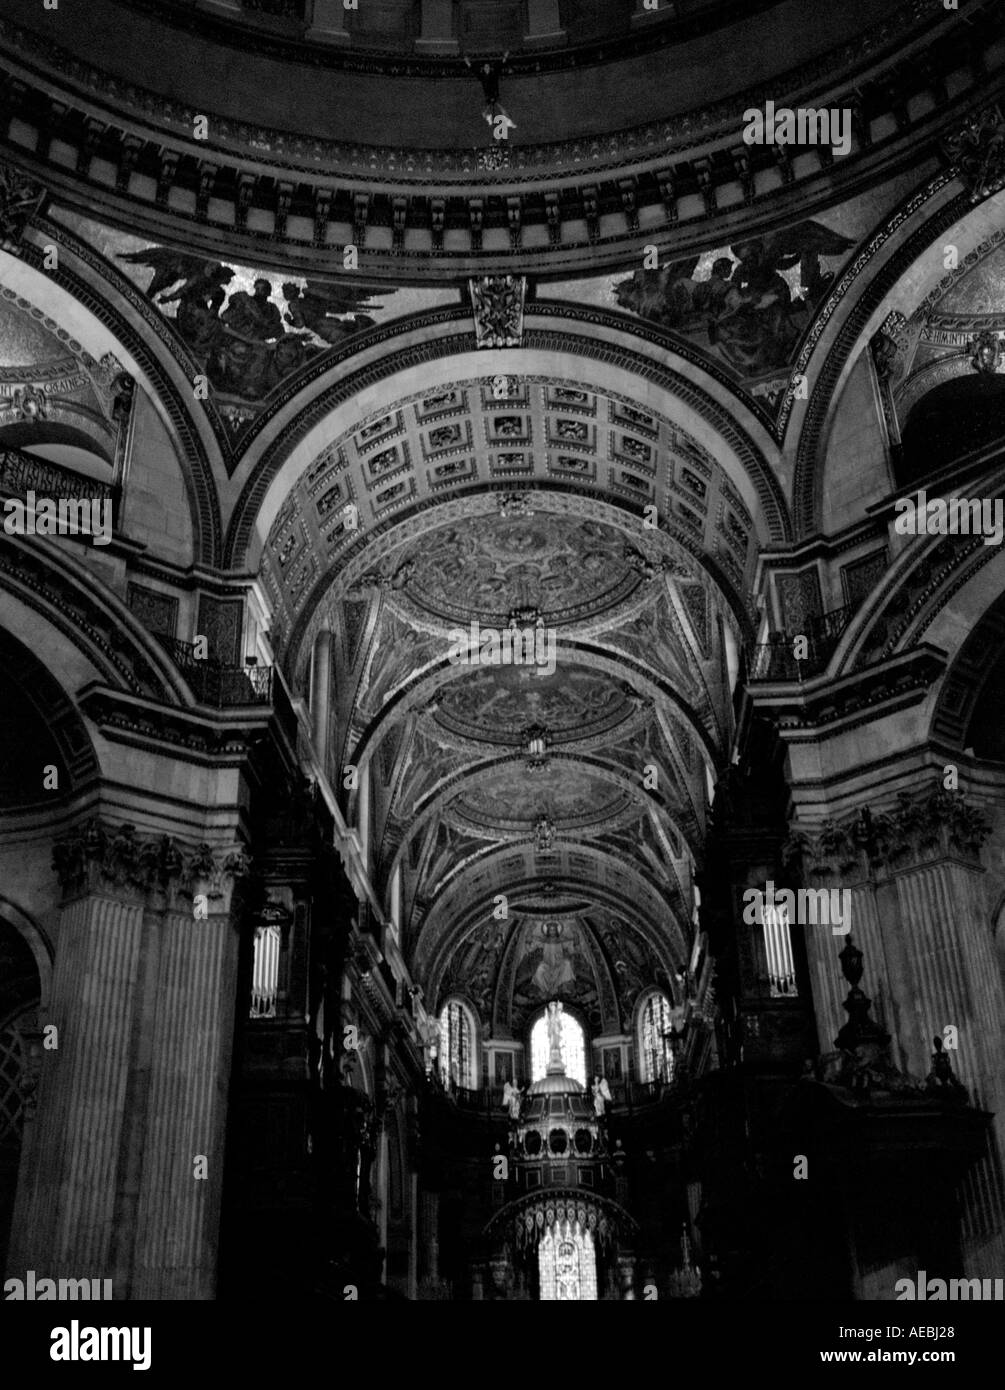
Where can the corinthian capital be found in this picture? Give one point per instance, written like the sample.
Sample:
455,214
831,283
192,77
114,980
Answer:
100,856
925,824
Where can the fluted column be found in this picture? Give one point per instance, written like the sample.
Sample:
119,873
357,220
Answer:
919,917
321,682
132,1104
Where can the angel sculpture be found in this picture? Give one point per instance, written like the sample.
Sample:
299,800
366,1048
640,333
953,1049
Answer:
513,1100
601,1095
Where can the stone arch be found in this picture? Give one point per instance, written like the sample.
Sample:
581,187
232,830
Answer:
108,310
878,281
428,351
58,608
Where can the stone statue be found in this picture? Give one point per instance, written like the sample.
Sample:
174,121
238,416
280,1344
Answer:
513,1099
555,1026
601,1095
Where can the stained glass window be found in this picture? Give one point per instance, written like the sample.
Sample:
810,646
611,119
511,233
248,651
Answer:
573,1048
657,1050
567,1264
456,1046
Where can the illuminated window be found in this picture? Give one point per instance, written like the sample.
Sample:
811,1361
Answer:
573,1048
456,1046
567,1264
778,945
656,1032
265,973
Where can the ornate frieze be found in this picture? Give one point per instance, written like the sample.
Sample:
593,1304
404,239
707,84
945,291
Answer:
100,857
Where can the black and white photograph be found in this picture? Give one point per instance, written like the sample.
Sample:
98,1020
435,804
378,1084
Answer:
502,646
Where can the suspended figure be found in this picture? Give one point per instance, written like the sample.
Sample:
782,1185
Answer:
488,74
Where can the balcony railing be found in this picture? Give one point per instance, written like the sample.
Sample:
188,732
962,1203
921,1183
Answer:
775,660
213,682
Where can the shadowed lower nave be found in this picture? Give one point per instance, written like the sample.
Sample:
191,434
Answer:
334,960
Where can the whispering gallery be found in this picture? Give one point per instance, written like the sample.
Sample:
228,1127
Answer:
502,646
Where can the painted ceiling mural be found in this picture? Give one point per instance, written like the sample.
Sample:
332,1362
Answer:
574,703
250,328
747,305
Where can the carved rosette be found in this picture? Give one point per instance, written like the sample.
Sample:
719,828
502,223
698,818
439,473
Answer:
925,825
977,153
497,301
20,198
99,857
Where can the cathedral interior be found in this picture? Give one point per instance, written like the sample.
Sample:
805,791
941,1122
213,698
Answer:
505,587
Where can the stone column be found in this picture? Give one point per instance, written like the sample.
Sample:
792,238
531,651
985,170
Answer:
328,22
321,679
437,27
919,917
544,25
143,997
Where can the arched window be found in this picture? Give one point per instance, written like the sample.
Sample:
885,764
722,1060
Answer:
567,1264
656,1050
457,1046
573,1042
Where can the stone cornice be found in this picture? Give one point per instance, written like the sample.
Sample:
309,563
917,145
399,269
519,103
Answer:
194,736
690,180
804,711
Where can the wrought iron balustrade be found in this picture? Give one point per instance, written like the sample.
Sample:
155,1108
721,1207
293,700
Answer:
216,683
775,660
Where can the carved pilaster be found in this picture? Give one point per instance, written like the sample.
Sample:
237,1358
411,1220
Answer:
129,1137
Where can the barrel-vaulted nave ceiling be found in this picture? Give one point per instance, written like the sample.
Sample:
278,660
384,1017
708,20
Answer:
576,788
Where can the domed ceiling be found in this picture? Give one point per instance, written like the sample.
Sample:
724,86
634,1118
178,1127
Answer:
326,126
